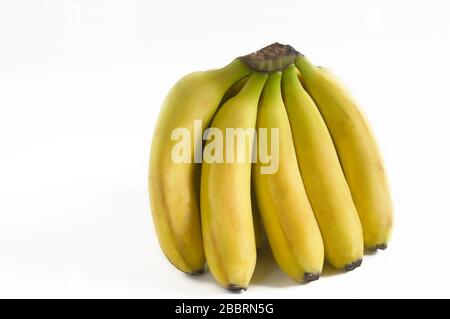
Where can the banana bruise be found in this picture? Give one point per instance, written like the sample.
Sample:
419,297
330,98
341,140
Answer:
358,152
323,178
174,186
226,208
288,219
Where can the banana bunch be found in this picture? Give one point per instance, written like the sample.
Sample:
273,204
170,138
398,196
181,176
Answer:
271,140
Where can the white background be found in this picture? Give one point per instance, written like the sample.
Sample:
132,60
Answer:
81,83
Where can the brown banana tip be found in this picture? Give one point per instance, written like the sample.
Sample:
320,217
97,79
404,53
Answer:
378,247
308,277
196,272
236,288
353,265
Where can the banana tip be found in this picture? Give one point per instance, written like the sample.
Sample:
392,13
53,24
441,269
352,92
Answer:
378,247
196,272
236,288
353,265
308,277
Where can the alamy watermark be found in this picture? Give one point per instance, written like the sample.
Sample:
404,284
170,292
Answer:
235,145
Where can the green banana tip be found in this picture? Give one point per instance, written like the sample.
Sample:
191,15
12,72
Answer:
290,67
275,75
304,65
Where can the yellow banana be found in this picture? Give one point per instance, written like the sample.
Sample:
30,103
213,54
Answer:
288,219
226,208
358,152
174,187
257,223
323,178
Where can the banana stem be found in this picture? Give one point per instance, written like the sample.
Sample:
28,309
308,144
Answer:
274,57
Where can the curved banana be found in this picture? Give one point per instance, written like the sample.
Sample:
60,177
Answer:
323,178
288,219
358,152
226,208
174,186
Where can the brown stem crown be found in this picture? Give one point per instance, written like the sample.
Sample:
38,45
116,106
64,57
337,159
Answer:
274,57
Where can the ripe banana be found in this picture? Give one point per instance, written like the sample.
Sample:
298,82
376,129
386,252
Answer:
288,219
257,223
323,178
358,152
317,189
226,208
174,187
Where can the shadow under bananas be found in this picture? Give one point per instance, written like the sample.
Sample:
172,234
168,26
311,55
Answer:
267,272
328,270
